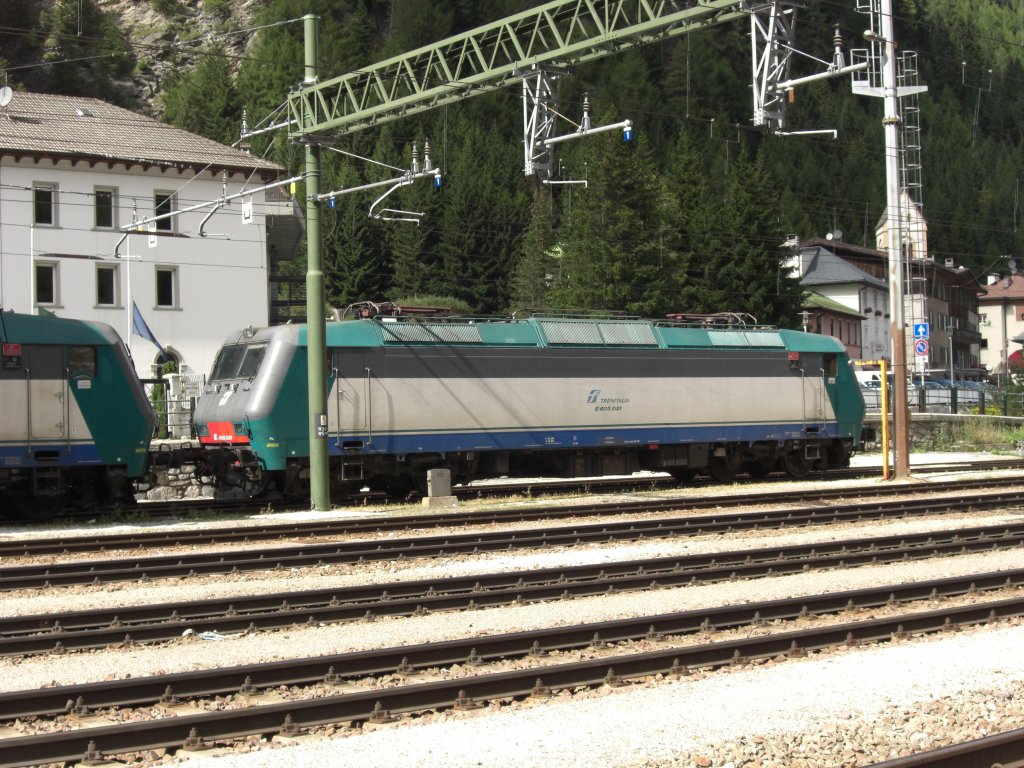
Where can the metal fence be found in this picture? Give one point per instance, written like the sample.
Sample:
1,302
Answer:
992,402
174,399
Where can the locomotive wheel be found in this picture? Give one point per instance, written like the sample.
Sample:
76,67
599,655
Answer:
760,467
41,507
398,487
796,464
722,468
682,475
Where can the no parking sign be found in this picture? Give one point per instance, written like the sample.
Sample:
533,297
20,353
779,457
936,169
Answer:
921,347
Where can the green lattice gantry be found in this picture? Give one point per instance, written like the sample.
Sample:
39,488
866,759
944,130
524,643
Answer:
560,33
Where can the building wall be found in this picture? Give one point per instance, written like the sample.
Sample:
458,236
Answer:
1004,319
845,328
219,281
873,334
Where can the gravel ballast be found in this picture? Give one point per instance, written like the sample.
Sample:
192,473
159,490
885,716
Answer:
842,708
846,707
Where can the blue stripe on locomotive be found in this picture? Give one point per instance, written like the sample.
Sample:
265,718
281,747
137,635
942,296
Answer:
58,454
450,442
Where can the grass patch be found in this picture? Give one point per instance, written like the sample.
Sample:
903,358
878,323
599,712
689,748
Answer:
969,436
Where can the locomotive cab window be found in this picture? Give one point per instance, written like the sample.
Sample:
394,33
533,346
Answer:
830,364
251,360
238,361
81,362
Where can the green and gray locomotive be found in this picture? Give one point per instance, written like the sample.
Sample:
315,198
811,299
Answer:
536,396
75,426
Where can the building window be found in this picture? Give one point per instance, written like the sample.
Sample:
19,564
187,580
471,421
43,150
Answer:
167,287
105,208
106,285
163,203
44,205
46,284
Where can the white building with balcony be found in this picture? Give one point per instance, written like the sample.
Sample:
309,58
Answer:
75,173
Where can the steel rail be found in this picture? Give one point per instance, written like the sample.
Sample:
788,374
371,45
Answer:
336,668
613,483
101,542
127,625
379,705
532,489
135,569
1002,750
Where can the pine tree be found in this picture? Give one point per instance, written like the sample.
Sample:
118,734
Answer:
486,206
688,221
535,269
84,50
204,100
617,249
743,262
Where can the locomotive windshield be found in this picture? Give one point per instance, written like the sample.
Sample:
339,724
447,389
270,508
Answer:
238,361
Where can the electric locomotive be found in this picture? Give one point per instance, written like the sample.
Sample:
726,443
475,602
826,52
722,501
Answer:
542,395
76,424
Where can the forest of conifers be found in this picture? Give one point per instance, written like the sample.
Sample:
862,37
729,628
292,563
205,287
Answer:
690,216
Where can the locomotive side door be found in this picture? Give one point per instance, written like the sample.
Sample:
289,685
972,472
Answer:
81,372
47,393
346,414
14,386
830,374
813,376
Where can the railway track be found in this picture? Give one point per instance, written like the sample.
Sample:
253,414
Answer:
339,668
381,705
337,683
601,484
128,625
531,488
45,576
225,535
1003,750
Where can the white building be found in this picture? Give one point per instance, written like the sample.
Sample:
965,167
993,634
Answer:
828,268
76,172
1002,311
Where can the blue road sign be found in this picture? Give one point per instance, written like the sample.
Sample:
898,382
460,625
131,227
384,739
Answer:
921,347
920,330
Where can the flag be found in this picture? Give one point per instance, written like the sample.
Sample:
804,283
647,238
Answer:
139,327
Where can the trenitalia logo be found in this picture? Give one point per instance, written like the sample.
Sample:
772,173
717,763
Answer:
606,403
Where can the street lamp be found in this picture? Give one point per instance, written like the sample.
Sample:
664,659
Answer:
952,329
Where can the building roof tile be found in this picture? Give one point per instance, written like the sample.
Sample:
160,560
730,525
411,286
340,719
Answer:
1011,287
825,268
73,126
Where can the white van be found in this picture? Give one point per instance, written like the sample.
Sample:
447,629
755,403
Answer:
869,379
